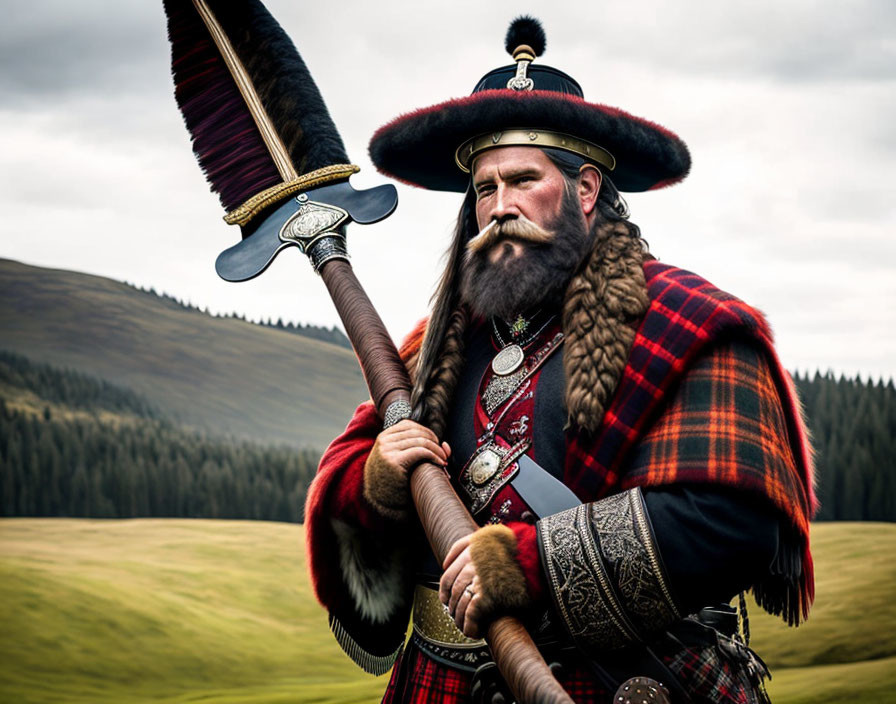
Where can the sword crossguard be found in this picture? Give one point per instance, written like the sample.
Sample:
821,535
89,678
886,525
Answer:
314,221
311,221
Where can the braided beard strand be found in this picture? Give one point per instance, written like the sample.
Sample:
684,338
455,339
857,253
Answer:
603,303
431,401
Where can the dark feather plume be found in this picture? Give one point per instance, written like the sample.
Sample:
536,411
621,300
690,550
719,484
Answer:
525,30
226,140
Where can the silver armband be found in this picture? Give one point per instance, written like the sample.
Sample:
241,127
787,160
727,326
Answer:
604,572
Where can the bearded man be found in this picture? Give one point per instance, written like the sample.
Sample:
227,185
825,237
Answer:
621,429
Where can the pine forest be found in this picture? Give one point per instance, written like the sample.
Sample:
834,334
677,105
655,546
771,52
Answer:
73,445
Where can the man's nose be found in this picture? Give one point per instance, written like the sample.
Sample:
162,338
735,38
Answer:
505,205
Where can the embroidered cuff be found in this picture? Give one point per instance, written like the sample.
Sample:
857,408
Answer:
604,572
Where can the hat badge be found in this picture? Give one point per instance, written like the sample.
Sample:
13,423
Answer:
523,55
525,41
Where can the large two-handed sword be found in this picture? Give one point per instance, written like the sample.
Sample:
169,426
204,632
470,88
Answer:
264,138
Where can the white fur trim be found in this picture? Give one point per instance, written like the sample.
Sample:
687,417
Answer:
373,573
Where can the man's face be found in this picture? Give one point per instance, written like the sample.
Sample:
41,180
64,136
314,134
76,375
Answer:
516,182
527,258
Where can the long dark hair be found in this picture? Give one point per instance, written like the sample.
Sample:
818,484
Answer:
611,206
441,355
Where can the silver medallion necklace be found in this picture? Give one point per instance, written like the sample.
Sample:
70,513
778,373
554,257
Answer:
500,388
511,356
508,365
508,360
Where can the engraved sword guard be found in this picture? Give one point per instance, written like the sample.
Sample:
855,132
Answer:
318,230
314,221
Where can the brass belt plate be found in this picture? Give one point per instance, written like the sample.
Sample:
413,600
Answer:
434,623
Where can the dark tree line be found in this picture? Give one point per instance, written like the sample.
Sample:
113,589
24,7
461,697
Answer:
65,463
71,388
78,467
853,426
72,464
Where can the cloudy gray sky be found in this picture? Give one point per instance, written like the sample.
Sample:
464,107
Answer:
788,109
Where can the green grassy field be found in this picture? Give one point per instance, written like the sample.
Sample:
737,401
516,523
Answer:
219,374
221,612
165,611
846,651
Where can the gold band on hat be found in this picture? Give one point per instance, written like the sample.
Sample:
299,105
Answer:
532,138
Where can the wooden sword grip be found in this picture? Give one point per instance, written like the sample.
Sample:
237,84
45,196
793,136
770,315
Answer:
444,517
385,373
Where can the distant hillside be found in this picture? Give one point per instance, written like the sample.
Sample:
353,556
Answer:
46,390
219,374
315,332
73,445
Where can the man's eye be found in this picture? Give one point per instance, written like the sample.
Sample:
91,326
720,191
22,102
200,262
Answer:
485,190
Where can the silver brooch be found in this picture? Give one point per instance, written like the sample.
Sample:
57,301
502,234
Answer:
501,388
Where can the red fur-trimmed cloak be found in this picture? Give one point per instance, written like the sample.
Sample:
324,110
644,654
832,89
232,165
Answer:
686,315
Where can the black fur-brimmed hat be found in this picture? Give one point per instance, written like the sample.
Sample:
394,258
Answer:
532,105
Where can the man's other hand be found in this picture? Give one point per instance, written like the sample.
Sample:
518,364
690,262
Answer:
483,579
459,588
397,450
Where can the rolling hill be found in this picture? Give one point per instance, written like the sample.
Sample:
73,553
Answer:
223,375
222,612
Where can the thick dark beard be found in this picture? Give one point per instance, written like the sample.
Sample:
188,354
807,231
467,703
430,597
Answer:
538,277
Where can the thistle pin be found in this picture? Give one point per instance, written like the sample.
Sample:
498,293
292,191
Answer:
519,326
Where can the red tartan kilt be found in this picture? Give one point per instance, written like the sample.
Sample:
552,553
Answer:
418,679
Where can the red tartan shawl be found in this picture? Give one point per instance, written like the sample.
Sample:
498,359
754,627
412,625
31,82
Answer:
686,314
